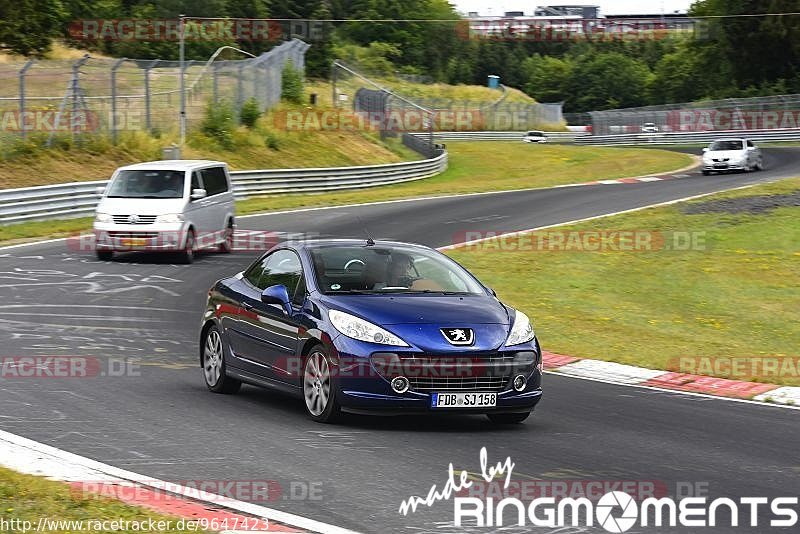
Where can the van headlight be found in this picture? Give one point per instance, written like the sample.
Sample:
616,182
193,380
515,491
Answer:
103,218
356,328
170,218
521,331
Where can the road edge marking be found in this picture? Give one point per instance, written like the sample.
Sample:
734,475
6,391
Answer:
70,467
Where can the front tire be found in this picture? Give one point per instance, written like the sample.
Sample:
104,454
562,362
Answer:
214,364
319,387
187,254
227,244
507,418
104,255
706,173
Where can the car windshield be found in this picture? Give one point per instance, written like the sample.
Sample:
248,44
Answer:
727,145
536,134
381,269
147,184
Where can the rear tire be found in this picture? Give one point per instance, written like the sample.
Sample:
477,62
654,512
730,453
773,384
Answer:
507,418
214,364
104,255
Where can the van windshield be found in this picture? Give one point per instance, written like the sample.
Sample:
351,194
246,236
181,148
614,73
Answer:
147,184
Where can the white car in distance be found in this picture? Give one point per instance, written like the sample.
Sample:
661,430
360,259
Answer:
733,154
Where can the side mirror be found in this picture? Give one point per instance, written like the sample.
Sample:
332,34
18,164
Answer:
705,149
98,191
277,294
197,194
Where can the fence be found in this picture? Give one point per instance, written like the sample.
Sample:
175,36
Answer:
108,96
688,138
552,137
760,113
79,199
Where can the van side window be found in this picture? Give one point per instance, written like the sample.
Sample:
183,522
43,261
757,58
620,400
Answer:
749,143
196,182
215,180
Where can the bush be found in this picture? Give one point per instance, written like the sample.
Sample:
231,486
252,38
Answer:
292,84
219,123
250,113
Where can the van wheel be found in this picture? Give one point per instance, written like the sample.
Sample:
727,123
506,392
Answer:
187,254
104,255
227,244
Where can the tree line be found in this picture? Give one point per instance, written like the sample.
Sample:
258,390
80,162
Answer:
728,56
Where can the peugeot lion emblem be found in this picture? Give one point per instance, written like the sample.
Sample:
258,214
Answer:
458,336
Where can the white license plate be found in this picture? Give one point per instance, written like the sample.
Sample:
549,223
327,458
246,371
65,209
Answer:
463,400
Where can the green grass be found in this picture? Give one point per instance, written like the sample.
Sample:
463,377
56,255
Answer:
262,148
28,498
739,297
473,167
480,166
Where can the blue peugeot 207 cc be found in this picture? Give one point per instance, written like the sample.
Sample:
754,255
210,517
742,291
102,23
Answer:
370,327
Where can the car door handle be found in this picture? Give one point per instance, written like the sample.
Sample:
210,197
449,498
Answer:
247,306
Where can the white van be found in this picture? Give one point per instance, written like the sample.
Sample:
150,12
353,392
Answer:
174,205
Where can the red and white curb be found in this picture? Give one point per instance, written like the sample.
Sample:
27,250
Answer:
618,373
34,458
674,175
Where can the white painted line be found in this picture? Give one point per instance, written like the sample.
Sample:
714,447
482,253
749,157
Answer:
594,217
609,182
650,179
675,391
32,457
611,371
784,395
378,203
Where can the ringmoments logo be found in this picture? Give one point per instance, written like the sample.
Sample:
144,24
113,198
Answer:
614,511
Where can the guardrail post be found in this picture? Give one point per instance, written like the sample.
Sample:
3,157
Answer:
22,71
114,68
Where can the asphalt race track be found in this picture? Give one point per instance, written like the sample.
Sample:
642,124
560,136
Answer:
165,424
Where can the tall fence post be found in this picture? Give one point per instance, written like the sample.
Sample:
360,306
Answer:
22,71
148,124
240,86
215,82
114,68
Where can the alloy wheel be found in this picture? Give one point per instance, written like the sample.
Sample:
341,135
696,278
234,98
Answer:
316,383
212,358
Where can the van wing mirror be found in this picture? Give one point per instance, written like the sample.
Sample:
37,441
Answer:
705,149
99,190
197,194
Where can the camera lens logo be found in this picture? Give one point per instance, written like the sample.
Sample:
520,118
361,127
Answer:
606,505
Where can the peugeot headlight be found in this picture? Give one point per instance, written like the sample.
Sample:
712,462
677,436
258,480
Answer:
362,330
103,218
170,218
522,331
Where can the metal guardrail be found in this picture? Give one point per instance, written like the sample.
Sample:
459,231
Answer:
488,135
77,199
680,138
